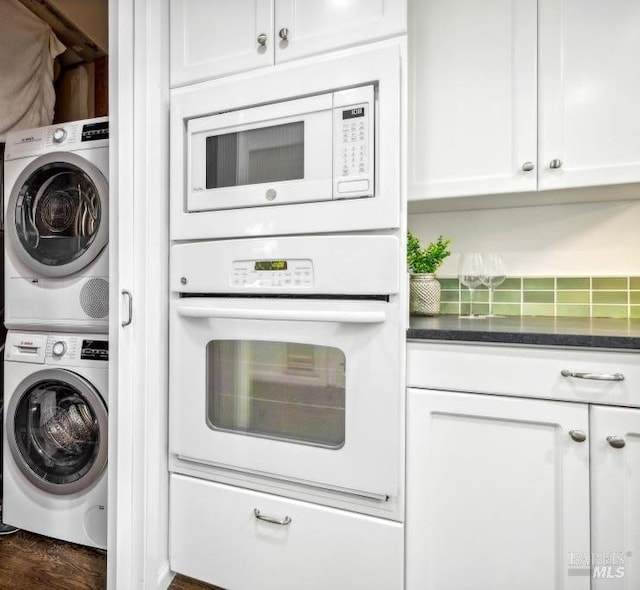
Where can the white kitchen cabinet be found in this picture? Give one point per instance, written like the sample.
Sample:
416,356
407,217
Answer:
211,38
526,371
138,535
497,492
217,536
487,476
589,89
615,497
509,96
214,38
472,97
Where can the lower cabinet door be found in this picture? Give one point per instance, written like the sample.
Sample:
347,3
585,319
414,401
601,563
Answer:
615,498
244,540
497,492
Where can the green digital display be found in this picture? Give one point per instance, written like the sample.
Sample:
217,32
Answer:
270,265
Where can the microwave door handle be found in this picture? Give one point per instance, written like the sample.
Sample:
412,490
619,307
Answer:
343,317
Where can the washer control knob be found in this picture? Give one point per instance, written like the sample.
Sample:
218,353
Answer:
59,135
59,348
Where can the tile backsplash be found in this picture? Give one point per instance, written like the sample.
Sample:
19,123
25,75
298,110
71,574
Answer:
597,297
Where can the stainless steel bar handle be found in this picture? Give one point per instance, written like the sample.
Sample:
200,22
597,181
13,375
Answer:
129,319
617,442
272,519
345,317
578,435
593,376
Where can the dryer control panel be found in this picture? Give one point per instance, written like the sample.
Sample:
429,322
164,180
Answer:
72,136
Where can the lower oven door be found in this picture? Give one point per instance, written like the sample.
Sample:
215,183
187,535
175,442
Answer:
303,390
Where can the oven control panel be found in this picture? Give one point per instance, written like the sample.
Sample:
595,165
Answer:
272,273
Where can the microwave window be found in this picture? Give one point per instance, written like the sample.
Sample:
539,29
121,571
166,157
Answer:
268,154
282,390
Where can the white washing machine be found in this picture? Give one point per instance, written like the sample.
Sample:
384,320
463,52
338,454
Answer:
56,204
55,435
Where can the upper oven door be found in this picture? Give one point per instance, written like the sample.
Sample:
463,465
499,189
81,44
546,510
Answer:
269,155
302,390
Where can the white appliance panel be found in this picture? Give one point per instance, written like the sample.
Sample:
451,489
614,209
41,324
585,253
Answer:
377,142
81,516
366,332
74,295
359,265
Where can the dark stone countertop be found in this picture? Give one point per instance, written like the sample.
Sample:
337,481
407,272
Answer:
536,331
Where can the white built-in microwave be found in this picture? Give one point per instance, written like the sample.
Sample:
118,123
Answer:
316,148
312,146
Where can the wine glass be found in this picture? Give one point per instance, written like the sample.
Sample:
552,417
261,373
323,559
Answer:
471,275
494,275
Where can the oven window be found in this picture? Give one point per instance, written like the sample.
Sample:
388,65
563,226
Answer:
268,154
282,390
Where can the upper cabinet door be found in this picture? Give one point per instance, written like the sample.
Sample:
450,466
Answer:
307,27
589,93
472,97
615,498
213,38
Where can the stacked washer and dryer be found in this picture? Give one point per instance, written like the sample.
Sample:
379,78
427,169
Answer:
56,311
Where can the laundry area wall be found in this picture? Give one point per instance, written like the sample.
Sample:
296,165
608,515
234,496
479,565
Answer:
53,62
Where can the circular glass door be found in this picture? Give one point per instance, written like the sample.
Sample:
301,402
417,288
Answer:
57,431
57,214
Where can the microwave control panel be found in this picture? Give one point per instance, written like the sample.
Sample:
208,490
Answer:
353,137
290,273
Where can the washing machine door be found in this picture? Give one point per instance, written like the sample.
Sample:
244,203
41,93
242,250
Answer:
56,426
57,214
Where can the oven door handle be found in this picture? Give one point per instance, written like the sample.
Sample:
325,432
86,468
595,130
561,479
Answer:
342,317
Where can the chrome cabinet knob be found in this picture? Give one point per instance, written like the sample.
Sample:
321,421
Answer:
555,164
528,166
284,34
617,442
578,435
262,40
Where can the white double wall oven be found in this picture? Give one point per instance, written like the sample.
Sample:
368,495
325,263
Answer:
286,327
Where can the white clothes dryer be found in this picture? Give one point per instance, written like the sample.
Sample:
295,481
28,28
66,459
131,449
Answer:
55,435
56,197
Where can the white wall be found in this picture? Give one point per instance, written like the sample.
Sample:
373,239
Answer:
586,239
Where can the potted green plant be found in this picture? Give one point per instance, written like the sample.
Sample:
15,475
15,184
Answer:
424,288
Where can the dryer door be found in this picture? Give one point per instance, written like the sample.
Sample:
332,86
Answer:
56,425
57,215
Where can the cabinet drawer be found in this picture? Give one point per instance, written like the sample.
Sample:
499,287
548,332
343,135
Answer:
531,372
215,536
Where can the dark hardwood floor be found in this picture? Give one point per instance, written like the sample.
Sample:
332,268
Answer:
33,562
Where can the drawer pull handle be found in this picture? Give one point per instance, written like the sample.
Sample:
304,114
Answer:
593,376
617,442
578,435
281,521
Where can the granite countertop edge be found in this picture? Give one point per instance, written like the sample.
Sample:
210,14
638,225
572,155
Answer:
609,334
